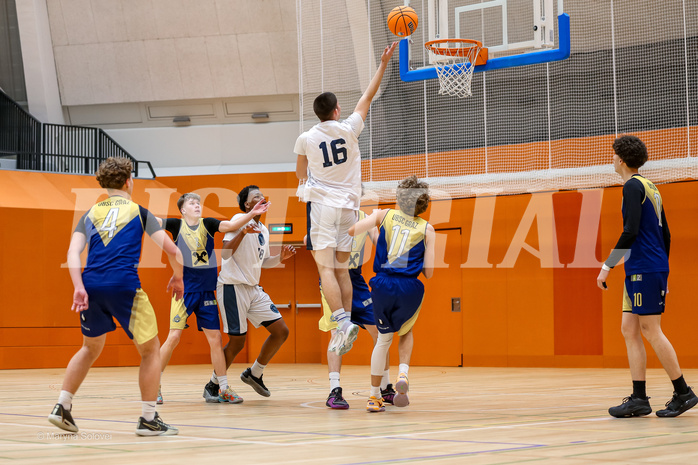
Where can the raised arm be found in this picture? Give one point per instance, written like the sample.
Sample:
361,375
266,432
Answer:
77,245
429,253
240,221
368,223
370,92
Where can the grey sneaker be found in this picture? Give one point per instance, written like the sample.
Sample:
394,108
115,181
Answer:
211,393
156,427
256,383
631,407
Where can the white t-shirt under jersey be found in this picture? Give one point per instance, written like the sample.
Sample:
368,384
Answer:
334,162
245,266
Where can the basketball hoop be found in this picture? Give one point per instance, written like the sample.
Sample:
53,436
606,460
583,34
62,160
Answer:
455,64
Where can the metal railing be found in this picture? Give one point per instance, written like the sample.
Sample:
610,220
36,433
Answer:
56,147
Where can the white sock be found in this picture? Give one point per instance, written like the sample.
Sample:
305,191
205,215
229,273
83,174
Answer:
385,380
223,382
214,378
340,316
257,369
148,410
376,391
65,398
334,379
404,368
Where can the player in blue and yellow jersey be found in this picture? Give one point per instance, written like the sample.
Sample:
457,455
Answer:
109,288
194,237
361,314
645,245
404,250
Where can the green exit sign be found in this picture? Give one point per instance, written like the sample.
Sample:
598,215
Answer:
286,228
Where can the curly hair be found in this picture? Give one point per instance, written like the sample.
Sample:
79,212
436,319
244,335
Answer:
186,197
413,196
244,193
631,150
324,105
114,172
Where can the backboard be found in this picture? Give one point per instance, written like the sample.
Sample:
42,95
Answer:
515,32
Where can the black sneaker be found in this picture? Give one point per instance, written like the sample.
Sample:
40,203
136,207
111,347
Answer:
679,404
256,383
336,401
631,407
211,393
63,419
388,394
156,427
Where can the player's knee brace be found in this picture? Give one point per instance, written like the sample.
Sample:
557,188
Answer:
380,350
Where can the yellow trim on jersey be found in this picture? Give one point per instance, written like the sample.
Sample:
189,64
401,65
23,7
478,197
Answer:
652,193
178,314
111,215
627,303
325,323
407,326
196,240
402,233
143,324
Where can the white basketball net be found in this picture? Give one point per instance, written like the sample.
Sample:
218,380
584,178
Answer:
455,71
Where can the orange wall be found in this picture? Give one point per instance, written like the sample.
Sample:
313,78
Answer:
530,308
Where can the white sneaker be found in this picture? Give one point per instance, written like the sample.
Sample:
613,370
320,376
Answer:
343,341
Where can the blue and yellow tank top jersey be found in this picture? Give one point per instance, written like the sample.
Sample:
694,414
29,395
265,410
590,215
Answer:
647,254
401,245
197,246
357,250
114,231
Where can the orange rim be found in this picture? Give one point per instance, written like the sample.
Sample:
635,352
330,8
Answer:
452,51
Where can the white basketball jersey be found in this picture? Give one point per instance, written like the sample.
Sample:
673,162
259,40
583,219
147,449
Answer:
334,162
245,266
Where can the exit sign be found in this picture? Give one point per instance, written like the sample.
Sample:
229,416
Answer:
285,228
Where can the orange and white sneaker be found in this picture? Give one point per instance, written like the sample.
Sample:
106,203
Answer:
402,386
375,405
229,396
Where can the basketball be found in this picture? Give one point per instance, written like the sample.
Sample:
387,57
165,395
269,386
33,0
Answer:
402,21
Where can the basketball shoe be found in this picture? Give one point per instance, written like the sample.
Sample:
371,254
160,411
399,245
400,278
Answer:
401,386
631,407
679,404
155,427
63,419
211,393
343,340
229,396
257,384
375,405
388,394
336,401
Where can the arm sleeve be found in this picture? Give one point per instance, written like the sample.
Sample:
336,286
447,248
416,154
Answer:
150,223
80,227
633,195
666,233
212,225
172,226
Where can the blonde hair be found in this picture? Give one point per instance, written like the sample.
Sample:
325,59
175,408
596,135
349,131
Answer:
186,197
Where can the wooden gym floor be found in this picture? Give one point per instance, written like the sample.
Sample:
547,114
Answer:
457,415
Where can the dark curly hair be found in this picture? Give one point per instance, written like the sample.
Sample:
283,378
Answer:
114,172
244,193
413,196
631,150
324,105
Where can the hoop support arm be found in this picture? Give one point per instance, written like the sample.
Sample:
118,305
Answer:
561,53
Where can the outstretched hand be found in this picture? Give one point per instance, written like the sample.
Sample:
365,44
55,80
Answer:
80,300
287,252
261,207
176,287
251,229
388,52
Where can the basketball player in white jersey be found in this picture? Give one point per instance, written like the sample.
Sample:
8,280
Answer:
245,252
329,162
